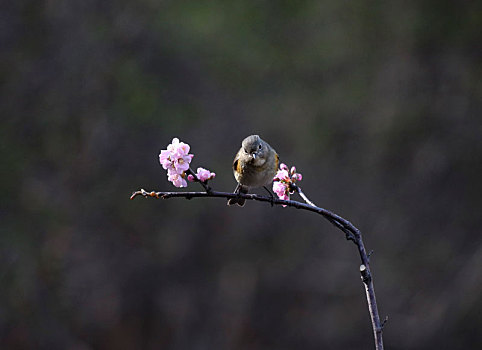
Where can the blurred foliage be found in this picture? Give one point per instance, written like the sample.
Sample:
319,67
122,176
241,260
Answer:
377,103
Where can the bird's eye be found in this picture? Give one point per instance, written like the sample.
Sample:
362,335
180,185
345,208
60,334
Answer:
259,146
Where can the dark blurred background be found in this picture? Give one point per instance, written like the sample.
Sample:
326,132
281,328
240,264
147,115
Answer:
377,103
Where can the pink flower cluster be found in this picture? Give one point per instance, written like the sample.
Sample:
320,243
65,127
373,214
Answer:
176,160
283,179
202,175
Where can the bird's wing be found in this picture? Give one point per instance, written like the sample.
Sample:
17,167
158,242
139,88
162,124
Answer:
236,165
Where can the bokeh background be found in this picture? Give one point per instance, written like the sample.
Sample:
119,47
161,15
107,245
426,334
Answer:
377,103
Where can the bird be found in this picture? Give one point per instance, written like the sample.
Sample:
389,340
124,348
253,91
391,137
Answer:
255,165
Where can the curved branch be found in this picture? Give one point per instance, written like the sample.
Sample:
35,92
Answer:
340,222
351,233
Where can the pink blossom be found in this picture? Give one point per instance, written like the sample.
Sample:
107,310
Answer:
204,174
177,156
178,149
183,148
182,163
297,177
284,197
279,188
284,181
164,159
282,175
176,159
177,180
172,171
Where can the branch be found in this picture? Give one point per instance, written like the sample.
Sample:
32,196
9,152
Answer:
336,220
351,233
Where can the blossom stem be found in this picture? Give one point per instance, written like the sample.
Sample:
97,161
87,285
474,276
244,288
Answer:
203,183
298,189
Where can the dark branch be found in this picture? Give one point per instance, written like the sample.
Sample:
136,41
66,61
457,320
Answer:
351,233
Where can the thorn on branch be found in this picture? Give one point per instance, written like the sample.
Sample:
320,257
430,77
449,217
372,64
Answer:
384,322
349,236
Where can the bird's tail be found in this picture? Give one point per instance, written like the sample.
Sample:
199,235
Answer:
237,200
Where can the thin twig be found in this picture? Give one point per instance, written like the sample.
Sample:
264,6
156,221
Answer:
298,189
351,232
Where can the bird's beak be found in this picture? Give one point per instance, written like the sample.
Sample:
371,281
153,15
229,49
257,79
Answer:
254,155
